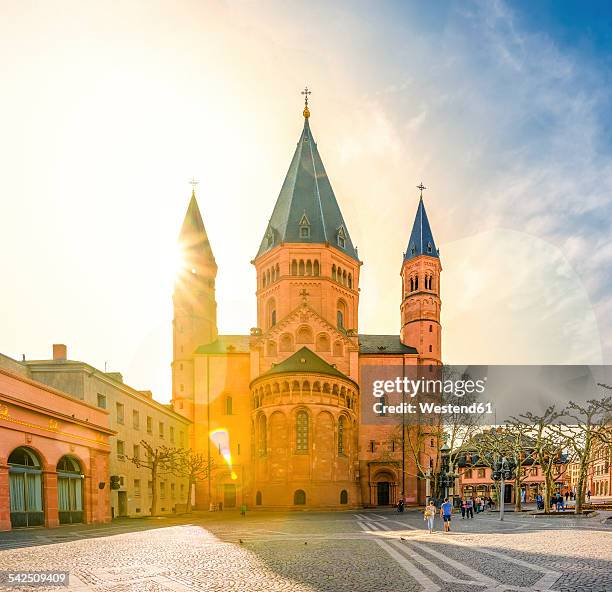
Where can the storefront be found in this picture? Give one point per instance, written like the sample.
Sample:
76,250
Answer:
54,455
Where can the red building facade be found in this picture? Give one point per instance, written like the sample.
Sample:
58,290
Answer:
53,464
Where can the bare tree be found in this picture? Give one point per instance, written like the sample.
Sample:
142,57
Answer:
519,447
194,466
159,461
512,441
548,445
587,428
439,432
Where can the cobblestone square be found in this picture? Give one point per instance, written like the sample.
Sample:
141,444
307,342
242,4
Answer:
351,551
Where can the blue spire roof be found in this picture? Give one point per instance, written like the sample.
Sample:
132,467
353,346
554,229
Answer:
306,210
421,238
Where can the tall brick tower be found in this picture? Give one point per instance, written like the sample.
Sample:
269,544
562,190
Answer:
304,365
420,307
195,307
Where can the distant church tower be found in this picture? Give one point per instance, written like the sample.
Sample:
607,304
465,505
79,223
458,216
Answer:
420,308
195,307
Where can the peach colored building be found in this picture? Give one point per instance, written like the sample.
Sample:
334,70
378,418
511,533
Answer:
477,482
54,455
282,408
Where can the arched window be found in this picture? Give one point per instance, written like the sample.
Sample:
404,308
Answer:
286,343
431,328
341,435
304,335
258,498
69,491
344,277
301,432
344,497
277,274
268,277
25,488
334,272
228,405
263,280
430,348
316,270
271,310
263,436
309,267
416,282
341,314
299,498
412,284
350,280
322,342
301,267
294,267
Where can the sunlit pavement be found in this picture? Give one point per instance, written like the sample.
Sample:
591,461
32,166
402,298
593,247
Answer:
350,551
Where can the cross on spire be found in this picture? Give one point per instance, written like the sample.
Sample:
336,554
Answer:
193,184
421,187
306,111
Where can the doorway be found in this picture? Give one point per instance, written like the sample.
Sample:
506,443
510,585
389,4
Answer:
69,491
122,503
25,488
382,493
229,496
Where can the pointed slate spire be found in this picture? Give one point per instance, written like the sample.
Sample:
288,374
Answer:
421,238
193,238
306,210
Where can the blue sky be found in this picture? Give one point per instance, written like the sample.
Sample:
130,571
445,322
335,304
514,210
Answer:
502,109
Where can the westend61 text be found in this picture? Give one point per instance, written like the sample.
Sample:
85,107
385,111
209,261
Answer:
432,408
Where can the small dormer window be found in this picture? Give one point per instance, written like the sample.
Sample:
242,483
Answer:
270,237
412,250
341,237
304,226
429,248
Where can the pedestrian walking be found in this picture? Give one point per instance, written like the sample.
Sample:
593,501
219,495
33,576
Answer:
566,496
430,515
463,507
446,510
469,509
589,495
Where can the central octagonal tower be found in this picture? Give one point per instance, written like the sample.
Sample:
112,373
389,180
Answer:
304,389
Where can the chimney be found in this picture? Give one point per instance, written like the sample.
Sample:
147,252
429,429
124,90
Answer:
60,351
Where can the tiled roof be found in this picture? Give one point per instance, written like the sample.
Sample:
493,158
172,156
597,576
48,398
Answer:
383,344
307,201
193,235
421,238
305,360
226,344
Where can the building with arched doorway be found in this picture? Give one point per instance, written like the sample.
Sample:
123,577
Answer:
54,456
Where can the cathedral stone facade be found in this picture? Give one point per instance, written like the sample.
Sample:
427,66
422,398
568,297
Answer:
279,410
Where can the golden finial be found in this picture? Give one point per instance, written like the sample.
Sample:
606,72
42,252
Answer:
306,111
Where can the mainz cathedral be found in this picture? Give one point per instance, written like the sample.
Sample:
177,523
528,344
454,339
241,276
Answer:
279,410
